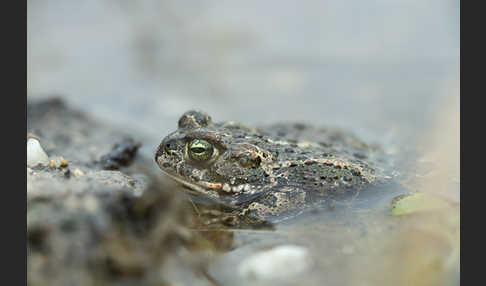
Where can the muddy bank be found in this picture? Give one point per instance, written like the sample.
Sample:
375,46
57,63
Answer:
88,224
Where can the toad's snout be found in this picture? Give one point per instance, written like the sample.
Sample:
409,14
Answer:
166,147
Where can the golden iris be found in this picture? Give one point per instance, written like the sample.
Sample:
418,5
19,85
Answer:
200,150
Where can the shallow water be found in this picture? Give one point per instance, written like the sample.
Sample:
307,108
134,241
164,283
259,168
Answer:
388,70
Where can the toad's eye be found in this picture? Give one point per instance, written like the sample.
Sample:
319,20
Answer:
200,150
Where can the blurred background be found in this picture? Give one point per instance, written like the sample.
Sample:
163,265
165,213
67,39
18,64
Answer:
378,67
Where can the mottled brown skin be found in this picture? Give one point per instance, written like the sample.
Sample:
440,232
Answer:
271,172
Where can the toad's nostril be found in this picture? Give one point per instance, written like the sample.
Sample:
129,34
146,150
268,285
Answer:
169,146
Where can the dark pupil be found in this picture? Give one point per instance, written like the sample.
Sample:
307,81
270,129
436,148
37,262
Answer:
198,150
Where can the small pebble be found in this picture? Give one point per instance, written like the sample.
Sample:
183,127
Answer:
58,162
77,173
63,163
35,154
279,263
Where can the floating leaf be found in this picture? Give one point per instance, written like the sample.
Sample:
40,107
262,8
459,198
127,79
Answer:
417,202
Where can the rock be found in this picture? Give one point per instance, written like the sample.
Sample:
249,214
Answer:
277,264
88,226
121,155
105,236
72,134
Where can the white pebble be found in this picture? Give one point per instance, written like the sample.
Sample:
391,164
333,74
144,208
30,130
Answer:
78,173
279,263
35,153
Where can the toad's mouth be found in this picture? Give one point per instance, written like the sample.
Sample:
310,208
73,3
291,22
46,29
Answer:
202,186
219,192
196,187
